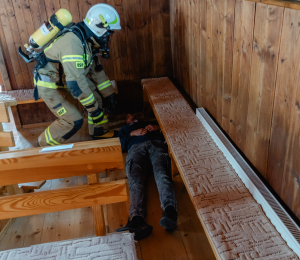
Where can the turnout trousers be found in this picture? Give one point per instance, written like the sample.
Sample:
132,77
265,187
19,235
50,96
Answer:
141,157
68,118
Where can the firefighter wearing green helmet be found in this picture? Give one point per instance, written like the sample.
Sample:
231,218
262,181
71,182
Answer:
73,72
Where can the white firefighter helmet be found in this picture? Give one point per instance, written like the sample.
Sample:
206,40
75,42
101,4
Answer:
102,17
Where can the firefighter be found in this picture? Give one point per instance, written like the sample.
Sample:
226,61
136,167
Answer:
72,55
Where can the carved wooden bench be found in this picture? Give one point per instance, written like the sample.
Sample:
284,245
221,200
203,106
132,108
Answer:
235,223
113,246
84,158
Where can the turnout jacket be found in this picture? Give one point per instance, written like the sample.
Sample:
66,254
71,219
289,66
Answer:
69,51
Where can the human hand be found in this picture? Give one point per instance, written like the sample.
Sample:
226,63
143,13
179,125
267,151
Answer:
138,132
151,128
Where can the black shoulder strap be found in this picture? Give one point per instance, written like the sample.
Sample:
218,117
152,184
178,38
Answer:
55,22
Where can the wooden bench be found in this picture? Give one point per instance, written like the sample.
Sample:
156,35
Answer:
85,158
6,141
26,96
235,224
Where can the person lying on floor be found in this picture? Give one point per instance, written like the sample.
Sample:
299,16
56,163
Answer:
146,146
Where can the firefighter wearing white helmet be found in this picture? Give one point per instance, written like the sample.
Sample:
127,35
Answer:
102,17
75,52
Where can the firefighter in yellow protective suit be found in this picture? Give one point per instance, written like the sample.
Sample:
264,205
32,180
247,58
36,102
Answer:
73,53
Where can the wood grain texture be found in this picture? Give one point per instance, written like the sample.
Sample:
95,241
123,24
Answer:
284,167
245,74
62,199
218,194
97,209
84,158
7,139
4,116
281,3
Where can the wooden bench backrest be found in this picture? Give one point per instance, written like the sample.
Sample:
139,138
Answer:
84,158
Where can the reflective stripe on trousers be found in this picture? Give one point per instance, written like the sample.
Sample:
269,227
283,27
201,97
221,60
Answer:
49,138
104,85
90,121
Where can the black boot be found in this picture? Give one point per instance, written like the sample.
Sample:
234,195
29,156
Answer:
138,226
169,219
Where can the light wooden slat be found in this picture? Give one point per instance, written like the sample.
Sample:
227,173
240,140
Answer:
97,210
7,139
4,117
84,158
62,199
287,4
32,185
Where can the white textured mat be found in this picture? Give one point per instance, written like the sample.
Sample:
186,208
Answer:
113,247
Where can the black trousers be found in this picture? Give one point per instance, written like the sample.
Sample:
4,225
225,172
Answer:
139,158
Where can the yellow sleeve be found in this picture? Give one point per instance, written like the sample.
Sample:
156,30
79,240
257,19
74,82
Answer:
72,59
102,81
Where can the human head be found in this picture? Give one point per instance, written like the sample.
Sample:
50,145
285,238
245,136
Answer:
131,119
102,20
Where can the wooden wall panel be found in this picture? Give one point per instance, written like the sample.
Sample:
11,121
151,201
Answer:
142,49
240,61
284,166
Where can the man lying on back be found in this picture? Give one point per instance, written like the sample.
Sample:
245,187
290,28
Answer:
147,148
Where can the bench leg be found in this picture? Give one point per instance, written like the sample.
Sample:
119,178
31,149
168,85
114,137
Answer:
177,180
174,170
97,210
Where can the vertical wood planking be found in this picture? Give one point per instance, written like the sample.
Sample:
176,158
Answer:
131,40
18,32
11,53
245,72
165,19
146,17
226,32
157,37
284,167
262,87
201,80
241,71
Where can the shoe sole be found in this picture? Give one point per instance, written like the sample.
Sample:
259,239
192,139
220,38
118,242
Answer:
140,233
146,232
168,224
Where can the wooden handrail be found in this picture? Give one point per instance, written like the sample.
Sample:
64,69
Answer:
83,159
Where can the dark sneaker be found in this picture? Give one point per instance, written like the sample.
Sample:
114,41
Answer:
38,144
138,226
169,219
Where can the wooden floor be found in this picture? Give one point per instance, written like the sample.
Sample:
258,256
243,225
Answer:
187,242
